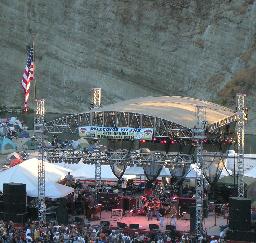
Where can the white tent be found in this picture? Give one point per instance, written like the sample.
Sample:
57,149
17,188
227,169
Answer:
19,174
192,172
52,172
251,172
53,190
134,170
88,172
139,171
71,167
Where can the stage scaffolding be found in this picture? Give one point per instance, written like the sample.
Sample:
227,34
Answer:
95,103
39,135
162,128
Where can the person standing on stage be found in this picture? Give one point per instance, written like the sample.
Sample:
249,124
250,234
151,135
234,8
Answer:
124,186
161,213
173,213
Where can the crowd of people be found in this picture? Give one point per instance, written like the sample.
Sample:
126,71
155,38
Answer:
85,233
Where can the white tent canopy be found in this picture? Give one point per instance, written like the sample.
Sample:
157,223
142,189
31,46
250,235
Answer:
251,172
21,174
52,172
53,190
87,171
134,170
139,171
192,171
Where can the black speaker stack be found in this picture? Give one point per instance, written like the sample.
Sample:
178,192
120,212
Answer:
13,206
240,220
134,226
239,213
153,227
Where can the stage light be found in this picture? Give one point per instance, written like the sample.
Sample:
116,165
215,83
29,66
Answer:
163,141
143,141
172,141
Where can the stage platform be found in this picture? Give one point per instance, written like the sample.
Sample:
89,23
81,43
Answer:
183,225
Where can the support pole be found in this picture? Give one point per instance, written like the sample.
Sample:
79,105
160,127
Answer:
39,134
95,102
198,136
240,143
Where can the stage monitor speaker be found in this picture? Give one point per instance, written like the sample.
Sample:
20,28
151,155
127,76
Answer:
153,226
241,236
239,214
192,212
105,224
134,226
121,225
170,227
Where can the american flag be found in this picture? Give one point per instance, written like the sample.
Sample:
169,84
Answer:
28,76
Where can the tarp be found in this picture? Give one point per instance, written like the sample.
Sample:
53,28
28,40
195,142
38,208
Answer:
27,172
7,146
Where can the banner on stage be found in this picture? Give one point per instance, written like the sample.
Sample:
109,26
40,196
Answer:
116,132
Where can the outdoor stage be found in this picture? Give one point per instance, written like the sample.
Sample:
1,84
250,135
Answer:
183,225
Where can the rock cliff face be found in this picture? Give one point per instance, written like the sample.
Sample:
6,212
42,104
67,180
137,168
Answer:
130,48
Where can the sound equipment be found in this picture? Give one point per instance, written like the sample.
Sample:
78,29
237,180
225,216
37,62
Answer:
134,226
185,203
105,224
192,219
126,204
170,227
245,236
121,225
62,214
153,226
14,202
239,214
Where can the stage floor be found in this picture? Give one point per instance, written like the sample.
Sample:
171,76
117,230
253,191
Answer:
211,223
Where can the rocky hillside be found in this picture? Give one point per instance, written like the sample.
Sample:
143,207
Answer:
130,48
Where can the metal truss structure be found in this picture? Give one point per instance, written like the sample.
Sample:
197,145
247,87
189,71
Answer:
162,128
199,136
39,134
129,158
95,98
240,143
95,103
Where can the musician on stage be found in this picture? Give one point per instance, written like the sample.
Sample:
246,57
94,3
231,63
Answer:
173,214
161,213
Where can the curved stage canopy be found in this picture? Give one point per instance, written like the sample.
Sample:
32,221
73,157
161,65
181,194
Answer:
164,114
177,109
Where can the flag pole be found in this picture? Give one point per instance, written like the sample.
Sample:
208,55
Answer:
34,61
